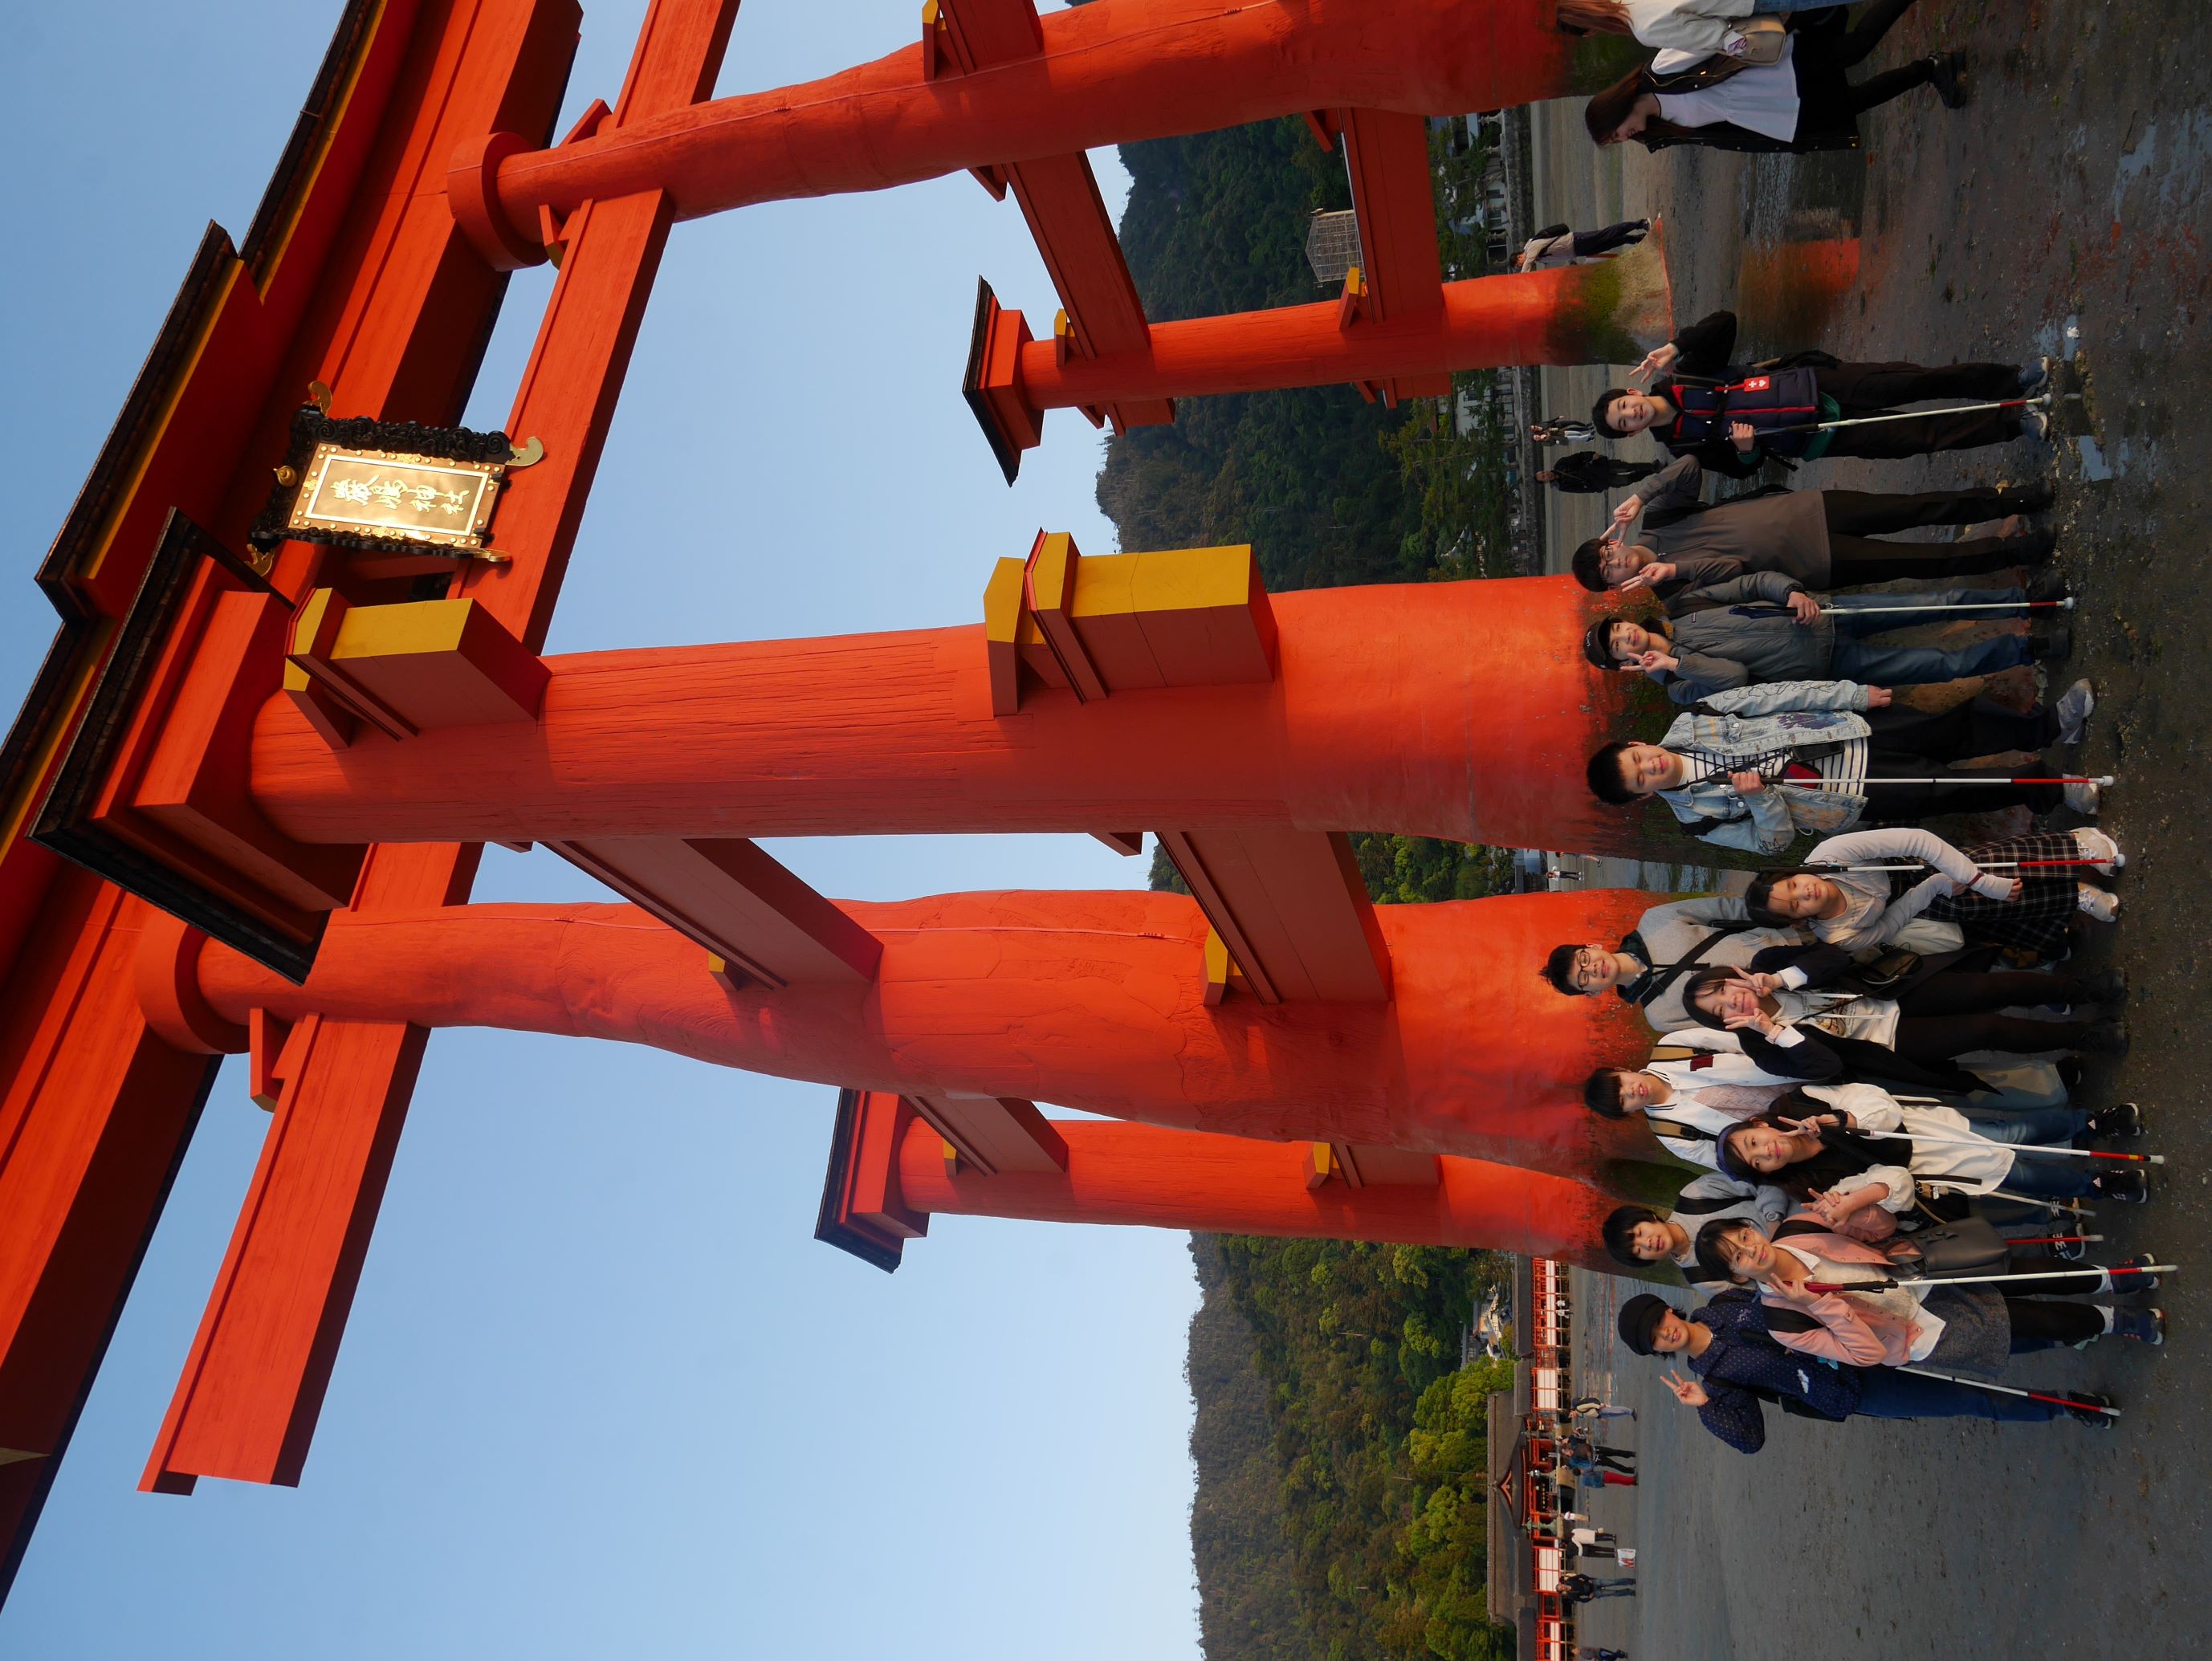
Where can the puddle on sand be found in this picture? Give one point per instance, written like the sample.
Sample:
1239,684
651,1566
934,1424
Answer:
2095,470
1801,249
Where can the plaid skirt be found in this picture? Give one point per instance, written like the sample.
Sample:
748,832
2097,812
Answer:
2037,919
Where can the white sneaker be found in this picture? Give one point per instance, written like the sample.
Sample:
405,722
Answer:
2092,901
2074,710
2083,796
2100,846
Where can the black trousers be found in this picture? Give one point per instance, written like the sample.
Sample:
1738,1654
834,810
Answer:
1827,100
1875,389
2038,1321
1945,1038
1909,743
1588,244
1856,516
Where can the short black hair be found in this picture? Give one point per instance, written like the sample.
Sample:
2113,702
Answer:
1621,1226
1601,1092
1605,402
1759,897
1709,1248
1603,775
1584,565
1559,969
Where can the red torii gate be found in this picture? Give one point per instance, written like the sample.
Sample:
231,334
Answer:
366,271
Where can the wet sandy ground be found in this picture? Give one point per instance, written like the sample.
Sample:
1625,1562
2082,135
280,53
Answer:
2074,187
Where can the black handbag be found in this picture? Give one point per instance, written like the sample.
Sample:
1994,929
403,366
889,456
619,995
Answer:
1970,1245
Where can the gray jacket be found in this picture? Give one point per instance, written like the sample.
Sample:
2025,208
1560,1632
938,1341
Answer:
1787,532
1718,649
1670,933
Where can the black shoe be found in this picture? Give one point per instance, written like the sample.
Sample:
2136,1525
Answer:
2121,1122
2045,585
1946,73
2084,1410
2128,1187
2106,986
2104,1038
2069,1068
2056,642
2031,547
2025,498
2071,1251
2128,1275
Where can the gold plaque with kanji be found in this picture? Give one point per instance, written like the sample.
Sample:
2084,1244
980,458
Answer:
409,498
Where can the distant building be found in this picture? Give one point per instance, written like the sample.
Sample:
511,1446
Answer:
1333,246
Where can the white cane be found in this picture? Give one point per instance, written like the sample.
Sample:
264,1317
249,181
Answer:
2073,1404
1922,1141
1891,1283
2064,604
1979,864
2104,780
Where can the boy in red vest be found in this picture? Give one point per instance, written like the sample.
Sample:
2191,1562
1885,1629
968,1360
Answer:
1732,416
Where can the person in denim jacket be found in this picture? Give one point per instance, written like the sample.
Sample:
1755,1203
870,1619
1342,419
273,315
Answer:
1755,766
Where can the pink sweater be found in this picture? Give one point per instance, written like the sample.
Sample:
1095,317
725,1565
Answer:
1853,1330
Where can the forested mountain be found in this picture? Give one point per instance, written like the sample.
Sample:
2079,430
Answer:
1328,487
1341,1454
1340,1512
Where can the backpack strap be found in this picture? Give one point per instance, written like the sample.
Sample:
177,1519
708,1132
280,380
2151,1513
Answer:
1682,966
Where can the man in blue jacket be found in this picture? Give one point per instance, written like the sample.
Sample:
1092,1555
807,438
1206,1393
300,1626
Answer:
1736,1365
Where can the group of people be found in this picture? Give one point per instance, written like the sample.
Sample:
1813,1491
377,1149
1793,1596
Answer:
1838,1052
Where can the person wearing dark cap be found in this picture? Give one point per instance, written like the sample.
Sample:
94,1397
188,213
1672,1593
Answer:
1735,1364
1765,626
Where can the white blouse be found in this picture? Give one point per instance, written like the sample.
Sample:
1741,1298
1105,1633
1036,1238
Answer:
1703,27
1762,99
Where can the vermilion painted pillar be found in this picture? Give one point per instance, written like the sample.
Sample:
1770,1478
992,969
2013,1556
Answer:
1093,1001
1142,1175
1611,311
1459,710
1108,73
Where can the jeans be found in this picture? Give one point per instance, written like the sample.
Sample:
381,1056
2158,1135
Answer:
1892,665
2050,1127
1887,1393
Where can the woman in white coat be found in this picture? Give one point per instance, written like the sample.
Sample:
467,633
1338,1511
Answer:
1865,1148
1699,26
2024,904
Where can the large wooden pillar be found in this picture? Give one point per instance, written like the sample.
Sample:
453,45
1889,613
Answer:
1107,73
1094,1001
1457,710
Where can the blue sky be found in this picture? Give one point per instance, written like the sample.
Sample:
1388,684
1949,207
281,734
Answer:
602,1393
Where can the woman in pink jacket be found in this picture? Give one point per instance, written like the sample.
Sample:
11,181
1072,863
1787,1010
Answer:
1946,1327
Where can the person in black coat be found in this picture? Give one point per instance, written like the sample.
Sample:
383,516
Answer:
1732,416
1803,102
1586,473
